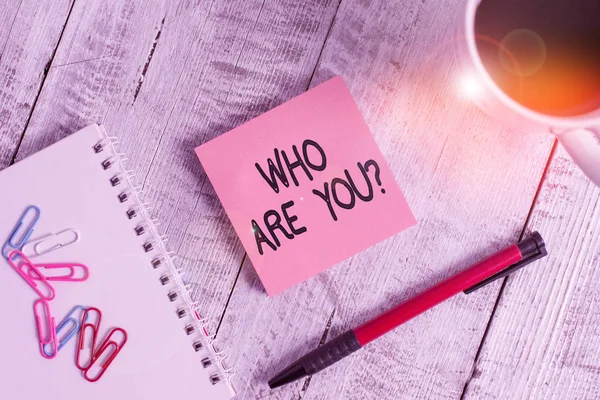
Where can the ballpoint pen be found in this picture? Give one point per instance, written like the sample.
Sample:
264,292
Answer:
494,267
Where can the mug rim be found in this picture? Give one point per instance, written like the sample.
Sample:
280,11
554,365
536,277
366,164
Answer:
583,120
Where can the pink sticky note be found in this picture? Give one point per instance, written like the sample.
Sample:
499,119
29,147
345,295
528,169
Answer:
326,194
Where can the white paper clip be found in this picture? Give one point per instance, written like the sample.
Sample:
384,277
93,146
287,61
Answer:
51,242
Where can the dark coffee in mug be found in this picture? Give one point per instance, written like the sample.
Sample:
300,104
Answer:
544,54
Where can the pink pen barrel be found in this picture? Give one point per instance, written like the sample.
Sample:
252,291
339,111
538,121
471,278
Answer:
424,301
499,265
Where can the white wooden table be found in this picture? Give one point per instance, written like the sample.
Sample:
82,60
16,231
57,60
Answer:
166,76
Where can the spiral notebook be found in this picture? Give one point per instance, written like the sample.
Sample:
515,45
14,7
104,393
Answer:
80,184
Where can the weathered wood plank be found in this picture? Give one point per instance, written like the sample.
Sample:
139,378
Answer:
29,33
463,176
543,342
167,76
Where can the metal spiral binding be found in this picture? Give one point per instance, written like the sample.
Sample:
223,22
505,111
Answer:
145,226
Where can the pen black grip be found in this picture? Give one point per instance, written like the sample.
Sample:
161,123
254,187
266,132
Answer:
330,353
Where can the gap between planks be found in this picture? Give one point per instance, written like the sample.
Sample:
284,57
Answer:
148,60
37,95
230,294
329,321
323,47
308,379
505,280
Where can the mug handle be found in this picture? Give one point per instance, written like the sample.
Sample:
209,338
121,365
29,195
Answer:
583,145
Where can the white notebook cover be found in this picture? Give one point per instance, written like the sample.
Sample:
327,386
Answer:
67,182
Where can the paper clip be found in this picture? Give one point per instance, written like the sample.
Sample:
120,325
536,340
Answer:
51,242
49,326
68,277
95,328
106,346
76,327
10,243
31,270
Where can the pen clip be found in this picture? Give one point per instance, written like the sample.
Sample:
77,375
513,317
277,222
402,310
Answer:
532,249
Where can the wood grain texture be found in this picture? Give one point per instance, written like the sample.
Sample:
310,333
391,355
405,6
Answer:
29,32
544,341
165,77
462,174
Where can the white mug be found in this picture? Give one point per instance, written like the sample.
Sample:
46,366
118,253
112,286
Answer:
579,135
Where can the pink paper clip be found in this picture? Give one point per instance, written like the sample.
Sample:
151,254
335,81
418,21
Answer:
50,328
84,326
100,357
69,276
26,268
